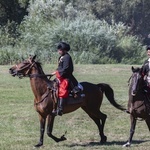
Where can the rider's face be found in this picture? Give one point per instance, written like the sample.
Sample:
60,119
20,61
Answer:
61,52
148,52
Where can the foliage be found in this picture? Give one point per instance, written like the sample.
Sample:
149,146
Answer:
8,55
13,10
92,39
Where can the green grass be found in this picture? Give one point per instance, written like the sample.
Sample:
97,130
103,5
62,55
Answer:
19,124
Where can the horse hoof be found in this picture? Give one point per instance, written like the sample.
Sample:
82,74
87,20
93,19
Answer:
38,145
103,140
127,144
63,138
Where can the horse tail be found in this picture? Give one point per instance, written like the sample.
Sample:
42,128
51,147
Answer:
109,93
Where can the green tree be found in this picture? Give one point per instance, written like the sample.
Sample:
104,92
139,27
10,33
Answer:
13,10
92,28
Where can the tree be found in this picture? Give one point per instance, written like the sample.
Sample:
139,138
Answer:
13,10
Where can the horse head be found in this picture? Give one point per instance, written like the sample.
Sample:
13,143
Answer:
23,69
136,80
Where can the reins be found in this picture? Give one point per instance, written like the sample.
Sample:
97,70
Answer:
26,74
129,80
39,75
31,75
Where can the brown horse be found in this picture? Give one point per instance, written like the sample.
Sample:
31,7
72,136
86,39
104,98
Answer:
138,103
44,106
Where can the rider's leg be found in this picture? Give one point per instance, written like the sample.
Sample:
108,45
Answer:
61,106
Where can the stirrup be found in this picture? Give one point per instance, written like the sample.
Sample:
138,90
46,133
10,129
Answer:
57,112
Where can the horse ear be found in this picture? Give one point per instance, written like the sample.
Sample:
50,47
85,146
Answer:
34,57
132,68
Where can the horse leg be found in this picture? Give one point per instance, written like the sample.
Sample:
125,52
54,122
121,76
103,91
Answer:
148,122
42,129
97,118
50,123
100,127
132,130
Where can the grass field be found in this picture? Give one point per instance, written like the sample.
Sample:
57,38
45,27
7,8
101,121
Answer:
19,124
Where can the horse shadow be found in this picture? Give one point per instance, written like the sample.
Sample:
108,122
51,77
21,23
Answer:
90,144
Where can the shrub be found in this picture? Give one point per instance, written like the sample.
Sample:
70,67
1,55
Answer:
92,41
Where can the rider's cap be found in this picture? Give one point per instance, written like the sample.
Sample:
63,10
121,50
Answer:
148,47
63,46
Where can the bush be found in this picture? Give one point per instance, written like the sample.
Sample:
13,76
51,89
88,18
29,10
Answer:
92,41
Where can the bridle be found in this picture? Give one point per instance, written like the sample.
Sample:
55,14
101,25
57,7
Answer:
26,74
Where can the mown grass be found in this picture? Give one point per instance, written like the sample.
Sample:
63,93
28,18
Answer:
19,124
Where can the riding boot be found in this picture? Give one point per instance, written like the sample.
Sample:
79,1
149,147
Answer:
60,106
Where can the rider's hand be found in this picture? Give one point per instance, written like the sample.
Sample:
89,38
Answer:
52,74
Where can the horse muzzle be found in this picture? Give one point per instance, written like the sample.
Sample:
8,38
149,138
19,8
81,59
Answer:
13,72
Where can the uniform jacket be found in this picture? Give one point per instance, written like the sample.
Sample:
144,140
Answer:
145,67
66,68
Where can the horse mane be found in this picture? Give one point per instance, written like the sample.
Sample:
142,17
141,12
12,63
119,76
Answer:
40,69
39,66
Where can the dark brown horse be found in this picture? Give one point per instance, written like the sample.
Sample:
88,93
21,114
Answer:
44,106
138,103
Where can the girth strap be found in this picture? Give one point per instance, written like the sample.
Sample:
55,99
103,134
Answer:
44,96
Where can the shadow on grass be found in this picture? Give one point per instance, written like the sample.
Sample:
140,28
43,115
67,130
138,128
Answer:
121,143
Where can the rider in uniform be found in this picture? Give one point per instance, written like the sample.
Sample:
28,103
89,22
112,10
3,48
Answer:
64,74
145,71
146,68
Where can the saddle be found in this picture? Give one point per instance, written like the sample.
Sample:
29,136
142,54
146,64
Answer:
75,95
